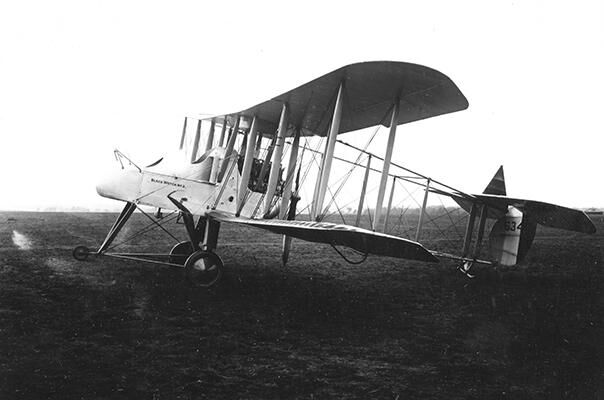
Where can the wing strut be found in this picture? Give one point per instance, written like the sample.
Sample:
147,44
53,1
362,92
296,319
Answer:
291,170
184,132
258,147
247,164
321,161
196,142
229,149
208,147
422,212
386,167
329,149
265,163
390,204
222,132
363,190
210,140
276,163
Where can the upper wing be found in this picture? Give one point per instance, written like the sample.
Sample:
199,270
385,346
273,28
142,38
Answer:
370,89
359,239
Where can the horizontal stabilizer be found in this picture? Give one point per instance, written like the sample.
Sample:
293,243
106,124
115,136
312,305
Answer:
359,239
546,214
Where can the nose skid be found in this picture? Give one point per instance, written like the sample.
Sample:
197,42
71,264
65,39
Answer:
120,185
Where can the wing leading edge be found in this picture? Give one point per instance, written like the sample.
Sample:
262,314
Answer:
359,239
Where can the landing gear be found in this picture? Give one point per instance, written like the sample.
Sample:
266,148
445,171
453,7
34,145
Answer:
81,253
203,268
180,252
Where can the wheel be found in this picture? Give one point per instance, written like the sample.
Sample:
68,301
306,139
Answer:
203,268
81,253
180,252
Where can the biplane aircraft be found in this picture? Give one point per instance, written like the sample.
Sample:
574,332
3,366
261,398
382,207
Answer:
232,170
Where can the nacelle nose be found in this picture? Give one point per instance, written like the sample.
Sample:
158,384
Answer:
120,185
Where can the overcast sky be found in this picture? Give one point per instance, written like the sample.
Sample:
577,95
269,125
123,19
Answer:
78,79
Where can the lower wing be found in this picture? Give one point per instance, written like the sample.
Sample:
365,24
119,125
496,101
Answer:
362,240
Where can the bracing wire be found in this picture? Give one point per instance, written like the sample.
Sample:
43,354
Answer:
403,210
430,219
346,176
453,224
351,201
157,223
147,228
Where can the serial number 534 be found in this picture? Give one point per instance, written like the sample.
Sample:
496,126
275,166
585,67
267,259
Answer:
512,226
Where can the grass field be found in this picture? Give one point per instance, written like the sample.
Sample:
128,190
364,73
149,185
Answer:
319,328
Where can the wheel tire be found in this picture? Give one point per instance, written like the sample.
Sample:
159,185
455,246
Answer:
81,253
203,268
180,252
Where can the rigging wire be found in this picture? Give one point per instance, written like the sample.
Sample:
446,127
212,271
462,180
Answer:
157,223
145,229
403,211
453,224
358,159
355,164
263,195
432,220
314,153
406,231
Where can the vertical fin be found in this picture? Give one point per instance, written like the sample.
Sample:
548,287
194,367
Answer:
497,184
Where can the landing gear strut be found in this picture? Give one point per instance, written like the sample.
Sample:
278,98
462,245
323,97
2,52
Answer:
202,267
81,253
